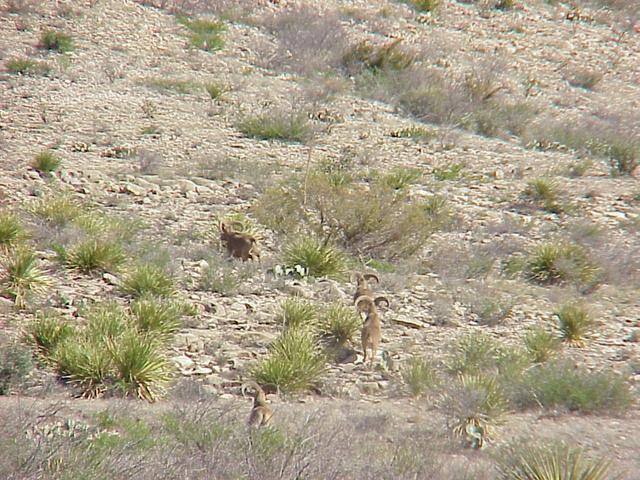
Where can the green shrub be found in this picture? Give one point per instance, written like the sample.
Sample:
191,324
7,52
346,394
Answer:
26,66
11,231
93,254
318,258
574,322
216,90
419,375
561,384
340,322
57,211
21,275
47,332
448,172
46,162
544,193
474,404
504,4
15,366
59,41
295,362
277,125
106,321
141,368
386,223
541,344
425,5
156,316
400,178
298,313
528,460
205,34
148,279
557,262
86,364
473,354
416,133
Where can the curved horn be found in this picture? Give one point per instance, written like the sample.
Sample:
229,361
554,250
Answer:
381,298
362,298
368,276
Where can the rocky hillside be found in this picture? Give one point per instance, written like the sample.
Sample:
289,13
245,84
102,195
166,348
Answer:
481,158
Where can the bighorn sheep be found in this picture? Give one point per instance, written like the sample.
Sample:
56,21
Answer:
372,328
363,289
239,245
261,413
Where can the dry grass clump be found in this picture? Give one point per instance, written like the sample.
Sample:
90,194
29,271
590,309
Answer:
12,232
575,322
420,375
340,323
545,194
26,66
277,125
205,34
46,162
21,276
15,366
60,42
541,343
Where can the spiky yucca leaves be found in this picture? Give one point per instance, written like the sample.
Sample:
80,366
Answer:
148,279
47,332
85,363
106,321
295,362
320,259
526,461
11,231
61,42
473,353
156,316
141,368
56,210
298,313
205,34
46,162
474,404
340,322
545,194
575,321
541,344
21,276
93,254
556,262
419,375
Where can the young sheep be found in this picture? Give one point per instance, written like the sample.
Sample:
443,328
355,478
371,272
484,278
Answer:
239,245
261,413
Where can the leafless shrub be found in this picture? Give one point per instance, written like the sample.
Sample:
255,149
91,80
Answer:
312,40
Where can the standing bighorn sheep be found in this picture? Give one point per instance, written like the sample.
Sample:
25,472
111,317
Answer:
261,413
364,289
239,245
372,328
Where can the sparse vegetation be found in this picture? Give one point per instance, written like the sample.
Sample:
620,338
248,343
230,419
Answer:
318,258
557,262
216,90
541,344
148,279
574,322
12,232
425,5
339,322
415,133
26,66
168,85
295,362
95,254
529,460
473,354
205,34
420,375
47,332
15,366
156,316
401,178
277,125
298,313
545,194
60,42
46,162
56,210
20,275
448,172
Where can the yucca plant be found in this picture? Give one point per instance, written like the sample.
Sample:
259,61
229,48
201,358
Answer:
541,344
59,41
141,368
295,362
401,178
156,316
277,125
11,231
574,322
531,461
93,254
474,404
85,363
21,275
57,211
106,321
340,322
545,193
47,332
320,259
297,313
46,162
148,279
473,353
419,375
556,262
205,34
